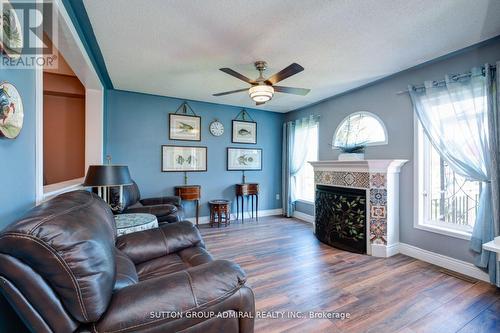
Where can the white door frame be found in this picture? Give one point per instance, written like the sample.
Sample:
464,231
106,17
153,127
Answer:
69,44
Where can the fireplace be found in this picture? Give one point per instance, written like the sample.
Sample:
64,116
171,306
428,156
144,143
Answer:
341,217
372,182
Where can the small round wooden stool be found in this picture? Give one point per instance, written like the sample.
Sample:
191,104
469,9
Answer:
220,212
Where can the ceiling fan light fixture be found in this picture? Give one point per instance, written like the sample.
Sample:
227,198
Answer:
261,93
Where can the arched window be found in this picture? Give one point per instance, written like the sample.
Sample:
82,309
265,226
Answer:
360,129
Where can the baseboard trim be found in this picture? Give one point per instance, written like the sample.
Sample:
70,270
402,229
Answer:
392,249
379,250
248,215
440,260
303,216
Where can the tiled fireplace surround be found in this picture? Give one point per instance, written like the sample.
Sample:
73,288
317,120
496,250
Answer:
380,179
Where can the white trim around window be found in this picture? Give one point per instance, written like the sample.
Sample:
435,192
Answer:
305,201
367,114
419,220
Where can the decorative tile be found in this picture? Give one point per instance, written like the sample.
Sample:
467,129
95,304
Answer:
378,197
378,231
377,183
352,179
378,212
378,180
378,240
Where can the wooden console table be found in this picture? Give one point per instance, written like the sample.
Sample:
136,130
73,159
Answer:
190,193
242,190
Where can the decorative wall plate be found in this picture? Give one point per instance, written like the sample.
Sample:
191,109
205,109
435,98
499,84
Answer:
11,111
11,36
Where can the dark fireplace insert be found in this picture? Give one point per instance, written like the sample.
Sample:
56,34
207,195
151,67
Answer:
341,217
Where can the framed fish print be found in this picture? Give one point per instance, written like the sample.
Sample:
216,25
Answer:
244,131
183,158
184,127
243,159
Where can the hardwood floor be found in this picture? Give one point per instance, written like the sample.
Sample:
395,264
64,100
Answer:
290,270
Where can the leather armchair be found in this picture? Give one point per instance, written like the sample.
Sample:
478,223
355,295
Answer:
63,270
167,209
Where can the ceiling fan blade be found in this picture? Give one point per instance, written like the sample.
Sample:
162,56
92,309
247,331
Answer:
230,92
290,90
260,103
284,73
236,75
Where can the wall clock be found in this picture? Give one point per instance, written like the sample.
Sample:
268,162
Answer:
216,128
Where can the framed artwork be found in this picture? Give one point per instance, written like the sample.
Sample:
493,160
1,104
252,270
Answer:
183,158
11,32
184,127
242,159
244,131
11,111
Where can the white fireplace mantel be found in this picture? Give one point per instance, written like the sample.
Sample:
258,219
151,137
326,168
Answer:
384,166
380,179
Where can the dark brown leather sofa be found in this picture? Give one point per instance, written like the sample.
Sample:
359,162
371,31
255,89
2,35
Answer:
63,270
167,209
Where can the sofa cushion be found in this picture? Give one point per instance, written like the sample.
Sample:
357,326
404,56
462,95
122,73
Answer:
69,241
194,289
150,244
159,210
126,273
184,259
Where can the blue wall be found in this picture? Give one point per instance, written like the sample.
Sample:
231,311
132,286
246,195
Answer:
17,170
137,126
397,113
17,157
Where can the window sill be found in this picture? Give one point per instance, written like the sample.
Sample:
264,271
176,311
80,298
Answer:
305,201
50,191
444,231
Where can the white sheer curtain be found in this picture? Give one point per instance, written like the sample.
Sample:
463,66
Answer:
456,115
295,137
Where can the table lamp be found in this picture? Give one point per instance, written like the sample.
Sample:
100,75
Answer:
105,176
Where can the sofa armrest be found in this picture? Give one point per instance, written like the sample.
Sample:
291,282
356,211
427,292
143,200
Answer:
157,210
154,243
150,304
173,200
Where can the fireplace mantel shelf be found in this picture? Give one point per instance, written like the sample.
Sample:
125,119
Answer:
386,166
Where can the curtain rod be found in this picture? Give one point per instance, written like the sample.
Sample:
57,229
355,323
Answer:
457,76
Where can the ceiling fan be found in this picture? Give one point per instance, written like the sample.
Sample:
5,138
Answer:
262,89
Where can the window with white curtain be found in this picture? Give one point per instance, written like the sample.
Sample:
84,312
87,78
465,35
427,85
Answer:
447,202
305,176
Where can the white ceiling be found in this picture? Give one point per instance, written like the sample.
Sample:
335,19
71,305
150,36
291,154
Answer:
174,48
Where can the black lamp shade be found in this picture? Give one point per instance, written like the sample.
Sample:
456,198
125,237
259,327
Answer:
107,175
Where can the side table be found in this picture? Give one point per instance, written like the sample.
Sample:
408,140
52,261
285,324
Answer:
493,246
247,189
219,212
190,193
128,223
